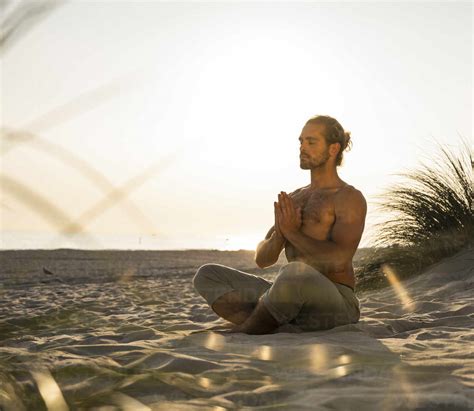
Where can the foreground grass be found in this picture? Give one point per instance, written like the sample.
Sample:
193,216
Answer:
430,218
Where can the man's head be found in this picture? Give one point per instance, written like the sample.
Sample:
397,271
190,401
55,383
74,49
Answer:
322,139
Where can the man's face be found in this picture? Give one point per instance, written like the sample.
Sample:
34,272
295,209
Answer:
314,151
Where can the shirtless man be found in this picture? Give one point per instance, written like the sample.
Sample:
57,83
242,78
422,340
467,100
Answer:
320,227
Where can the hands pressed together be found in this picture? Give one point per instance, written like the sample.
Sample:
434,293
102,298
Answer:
287,215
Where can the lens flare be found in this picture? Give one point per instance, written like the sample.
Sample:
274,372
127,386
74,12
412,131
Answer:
408,304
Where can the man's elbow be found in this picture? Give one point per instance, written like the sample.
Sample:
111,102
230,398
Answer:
262,263
259,263
258,256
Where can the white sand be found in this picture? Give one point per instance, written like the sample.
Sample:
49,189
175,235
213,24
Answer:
140,341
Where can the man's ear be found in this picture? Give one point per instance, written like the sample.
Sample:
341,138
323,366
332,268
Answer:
334,149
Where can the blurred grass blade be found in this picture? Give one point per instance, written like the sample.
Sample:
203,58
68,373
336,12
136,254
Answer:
49,390
94,176
86,101
115,196
21,19
127,403
40,205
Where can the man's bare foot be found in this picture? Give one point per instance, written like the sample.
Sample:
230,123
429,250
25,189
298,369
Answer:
259,322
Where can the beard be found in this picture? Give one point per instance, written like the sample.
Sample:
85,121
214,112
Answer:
309,163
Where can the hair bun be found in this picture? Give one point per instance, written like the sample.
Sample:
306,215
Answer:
348,142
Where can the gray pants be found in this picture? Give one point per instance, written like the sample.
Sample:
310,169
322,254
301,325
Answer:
299,295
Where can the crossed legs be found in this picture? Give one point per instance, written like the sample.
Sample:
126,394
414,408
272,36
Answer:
235,296
258,306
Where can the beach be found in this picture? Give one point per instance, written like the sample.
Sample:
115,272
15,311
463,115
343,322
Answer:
125,330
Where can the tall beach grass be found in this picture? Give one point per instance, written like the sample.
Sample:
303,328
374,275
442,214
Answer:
429,217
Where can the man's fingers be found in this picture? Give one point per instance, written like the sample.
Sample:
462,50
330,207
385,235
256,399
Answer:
288,204
278,213
287,214
277,218
285,197
290,201
283,203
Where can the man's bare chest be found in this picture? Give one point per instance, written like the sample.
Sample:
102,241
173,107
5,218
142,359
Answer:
318,213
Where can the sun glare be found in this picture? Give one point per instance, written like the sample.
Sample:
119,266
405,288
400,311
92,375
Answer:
244,242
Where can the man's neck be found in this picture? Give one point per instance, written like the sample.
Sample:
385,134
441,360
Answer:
324,178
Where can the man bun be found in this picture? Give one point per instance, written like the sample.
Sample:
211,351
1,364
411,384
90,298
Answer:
348,141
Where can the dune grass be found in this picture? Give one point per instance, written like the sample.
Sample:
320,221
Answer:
430,217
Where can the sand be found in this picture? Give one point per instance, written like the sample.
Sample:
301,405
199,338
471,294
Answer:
118,330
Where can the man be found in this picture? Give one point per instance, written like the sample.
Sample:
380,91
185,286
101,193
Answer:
320,227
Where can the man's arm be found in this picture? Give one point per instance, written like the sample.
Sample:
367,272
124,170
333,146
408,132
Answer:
333,254
269,249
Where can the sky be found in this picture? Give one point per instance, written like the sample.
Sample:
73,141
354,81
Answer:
174,125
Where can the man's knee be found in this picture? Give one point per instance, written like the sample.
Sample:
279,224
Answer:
202,275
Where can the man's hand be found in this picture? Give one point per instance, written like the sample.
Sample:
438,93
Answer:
277,224
287,215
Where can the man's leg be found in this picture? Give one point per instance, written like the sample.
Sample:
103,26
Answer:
232,294
314,302
260,321
296,285
231,307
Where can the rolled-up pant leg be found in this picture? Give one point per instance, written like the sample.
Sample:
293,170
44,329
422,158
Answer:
214,280
305,297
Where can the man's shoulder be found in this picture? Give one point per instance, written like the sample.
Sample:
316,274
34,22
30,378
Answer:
349,196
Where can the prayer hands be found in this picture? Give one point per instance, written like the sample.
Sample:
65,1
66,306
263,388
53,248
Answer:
287,216
277,224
